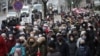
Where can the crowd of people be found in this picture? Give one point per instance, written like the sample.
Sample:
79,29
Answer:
75,35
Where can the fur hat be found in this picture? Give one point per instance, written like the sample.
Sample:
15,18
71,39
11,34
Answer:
41,39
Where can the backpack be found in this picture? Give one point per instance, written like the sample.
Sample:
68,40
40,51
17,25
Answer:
82,51
17,52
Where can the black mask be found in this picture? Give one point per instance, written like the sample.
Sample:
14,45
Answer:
82,44
21,42
31,43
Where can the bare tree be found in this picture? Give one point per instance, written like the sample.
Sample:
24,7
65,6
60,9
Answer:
73,3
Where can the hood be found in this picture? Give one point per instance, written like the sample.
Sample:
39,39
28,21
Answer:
35,42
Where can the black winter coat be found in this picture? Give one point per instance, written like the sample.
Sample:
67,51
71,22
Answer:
83,51
63,48
72,48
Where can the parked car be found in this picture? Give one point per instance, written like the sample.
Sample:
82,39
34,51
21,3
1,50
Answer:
37,7
11,15
25,11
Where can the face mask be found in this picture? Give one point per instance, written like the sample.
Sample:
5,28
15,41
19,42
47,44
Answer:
17,44
83,44
31,35
52,39
10,38
21,42
71,39
31,43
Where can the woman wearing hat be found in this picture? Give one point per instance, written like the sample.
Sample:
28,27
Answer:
31,47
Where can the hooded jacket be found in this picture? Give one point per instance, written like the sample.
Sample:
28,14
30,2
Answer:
31,49
18,46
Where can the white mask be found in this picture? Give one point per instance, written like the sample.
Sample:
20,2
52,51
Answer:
52,38
31,35
17,44
10,38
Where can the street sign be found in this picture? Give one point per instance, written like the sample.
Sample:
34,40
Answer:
18,5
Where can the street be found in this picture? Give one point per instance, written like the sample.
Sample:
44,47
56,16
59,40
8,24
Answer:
49,28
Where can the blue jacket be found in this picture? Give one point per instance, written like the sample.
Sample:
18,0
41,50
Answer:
83,51
22,50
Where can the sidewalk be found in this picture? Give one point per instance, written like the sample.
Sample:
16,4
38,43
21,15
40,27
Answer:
2,16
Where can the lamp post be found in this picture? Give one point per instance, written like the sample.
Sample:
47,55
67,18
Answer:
45,7
72,4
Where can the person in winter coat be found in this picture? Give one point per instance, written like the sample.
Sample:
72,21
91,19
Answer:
97,44
82,37
72,45
42,45
3,47
83,49
17,50
10,42
98,47
52,50
62,46
90,39
31,47
22,40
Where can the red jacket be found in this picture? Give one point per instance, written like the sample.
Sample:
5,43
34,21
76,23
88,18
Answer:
3,47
